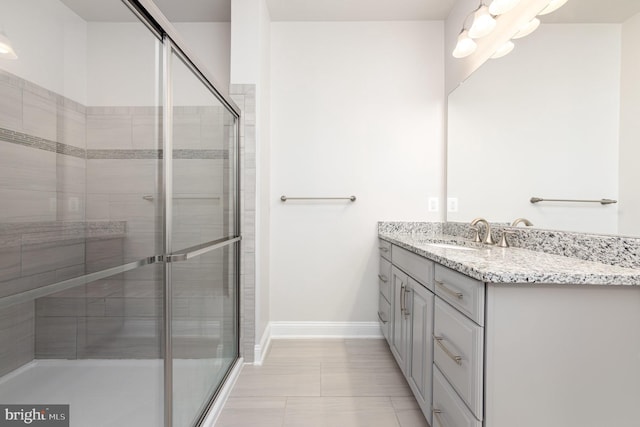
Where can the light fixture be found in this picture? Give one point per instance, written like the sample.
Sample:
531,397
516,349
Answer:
503,50
465,46
483,23
498,7
553,6
6,50
528,28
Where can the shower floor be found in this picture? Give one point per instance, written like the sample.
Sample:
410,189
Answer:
110,393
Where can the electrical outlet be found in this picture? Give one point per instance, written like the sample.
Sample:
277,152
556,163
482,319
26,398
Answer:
434,205
452,204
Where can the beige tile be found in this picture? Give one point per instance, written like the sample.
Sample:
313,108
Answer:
364,383
411,418
340,411
278,380
109,131
313,351
10,107
40,116
253,411
402,403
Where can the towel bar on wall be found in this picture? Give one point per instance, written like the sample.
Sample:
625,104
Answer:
601,201
285,198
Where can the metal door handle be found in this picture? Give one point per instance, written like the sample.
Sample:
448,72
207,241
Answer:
406,291
383,278
451,292
455,358
198,250
402,299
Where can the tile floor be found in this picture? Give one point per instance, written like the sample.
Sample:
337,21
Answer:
323,383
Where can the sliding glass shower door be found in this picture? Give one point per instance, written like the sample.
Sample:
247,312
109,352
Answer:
203,239
119,231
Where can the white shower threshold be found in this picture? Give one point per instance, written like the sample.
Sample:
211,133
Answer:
111,393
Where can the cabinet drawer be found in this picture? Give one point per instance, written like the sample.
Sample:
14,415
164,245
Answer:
463,292
384,278
414,265
457,351
384,315
385,249
448,409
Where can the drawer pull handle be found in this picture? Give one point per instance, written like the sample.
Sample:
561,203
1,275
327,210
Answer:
404,297
383,249
381,319
383,278
457,359
436,414
451,292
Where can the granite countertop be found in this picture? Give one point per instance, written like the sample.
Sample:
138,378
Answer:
493,264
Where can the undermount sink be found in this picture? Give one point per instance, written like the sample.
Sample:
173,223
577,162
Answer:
451,246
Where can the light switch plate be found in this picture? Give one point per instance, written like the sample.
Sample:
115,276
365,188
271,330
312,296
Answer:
434,205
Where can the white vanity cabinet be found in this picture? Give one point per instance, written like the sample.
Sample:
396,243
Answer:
384,289
481,354
411,320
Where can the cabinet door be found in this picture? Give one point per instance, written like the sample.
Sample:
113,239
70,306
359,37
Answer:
399,319
419,372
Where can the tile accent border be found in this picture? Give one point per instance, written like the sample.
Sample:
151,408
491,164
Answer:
30,141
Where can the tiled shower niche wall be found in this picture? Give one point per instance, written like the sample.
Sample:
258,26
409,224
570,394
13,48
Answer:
83,186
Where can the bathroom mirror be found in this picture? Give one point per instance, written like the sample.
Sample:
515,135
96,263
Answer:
558,118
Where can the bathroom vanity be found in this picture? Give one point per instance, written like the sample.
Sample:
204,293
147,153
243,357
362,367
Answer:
503,337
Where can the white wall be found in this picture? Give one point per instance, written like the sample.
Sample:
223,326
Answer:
356,109
263,166
629,129
250,64
542,121
51,43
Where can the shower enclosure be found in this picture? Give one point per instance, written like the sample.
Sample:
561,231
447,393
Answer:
119,217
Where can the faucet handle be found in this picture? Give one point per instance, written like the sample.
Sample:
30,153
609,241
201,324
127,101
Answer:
504,243
476,234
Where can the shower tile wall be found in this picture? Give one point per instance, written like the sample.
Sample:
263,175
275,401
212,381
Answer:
83,183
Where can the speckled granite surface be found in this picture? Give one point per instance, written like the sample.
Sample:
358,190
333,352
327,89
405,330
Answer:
515,264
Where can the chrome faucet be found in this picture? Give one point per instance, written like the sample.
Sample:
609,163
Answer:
524,221
487,239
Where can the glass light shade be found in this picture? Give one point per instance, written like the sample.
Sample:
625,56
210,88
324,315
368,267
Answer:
498,7
483,23
465,46
528,29
503,50
6,51
553,6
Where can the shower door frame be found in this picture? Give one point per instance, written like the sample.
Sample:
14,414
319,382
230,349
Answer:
152,17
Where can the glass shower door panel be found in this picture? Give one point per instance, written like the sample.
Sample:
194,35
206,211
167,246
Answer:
204,327
204,282
204,161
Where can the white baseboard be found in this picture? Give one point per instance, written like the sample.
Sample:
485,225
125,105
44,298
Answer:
325,330
223,395
261,350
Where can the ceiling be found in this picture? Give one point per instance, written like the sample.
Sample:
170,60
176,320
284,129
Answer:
594,11
280,10
612,11
359,10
